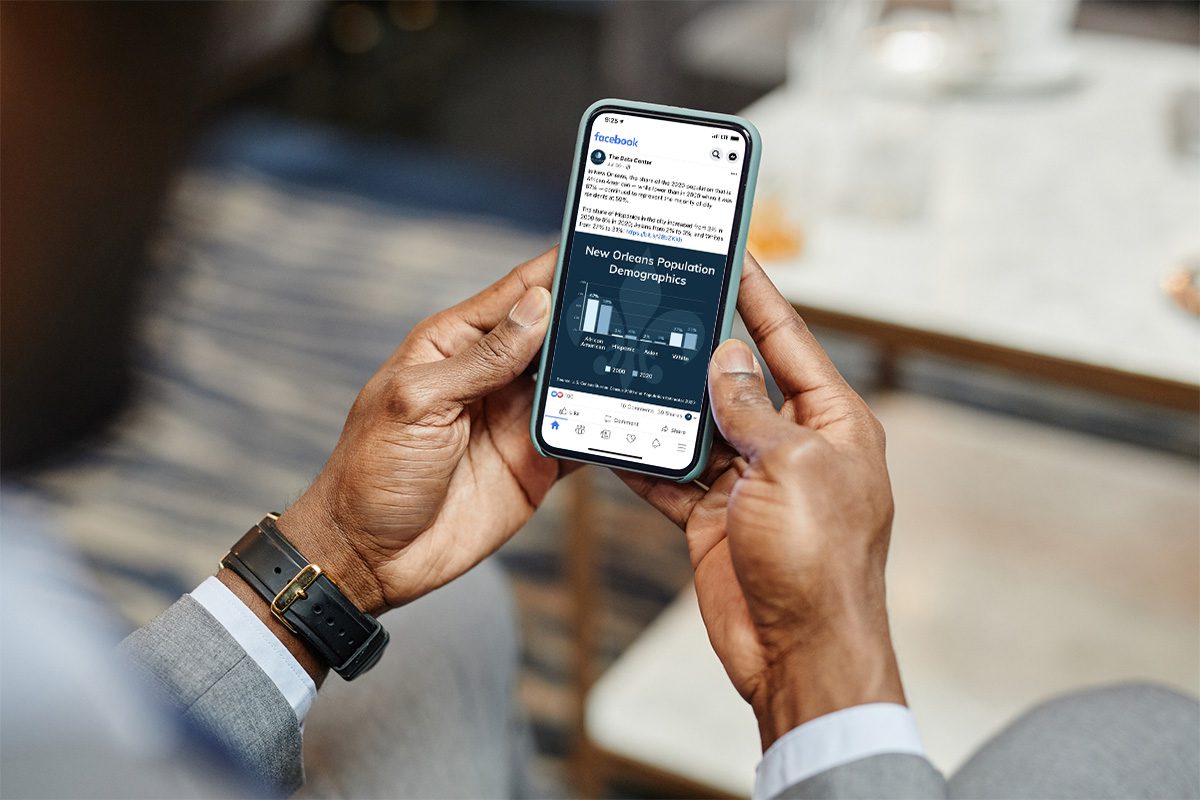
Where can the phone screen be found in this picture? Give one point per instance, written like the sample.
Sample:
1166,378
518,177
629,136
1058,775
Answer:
642,294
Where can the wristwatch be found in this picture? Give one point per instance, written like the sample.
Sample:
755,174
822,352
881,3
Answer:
306,600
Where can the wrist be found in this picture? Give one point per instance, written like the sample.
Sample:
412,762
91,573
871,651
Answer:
830,672
261,608
311,528
293,588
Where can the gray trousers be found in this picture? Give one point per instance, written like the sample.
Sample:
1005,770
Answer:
1126,741
437,717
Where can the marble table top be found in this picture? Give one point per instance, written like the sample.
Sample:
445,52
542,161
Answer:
1046,223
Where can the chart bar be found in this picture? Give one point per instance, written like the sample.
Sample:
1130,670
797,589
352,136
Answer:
599,316
591,309
606,307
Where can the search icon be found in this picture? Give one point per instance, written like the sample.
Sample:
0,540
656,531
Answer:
716,154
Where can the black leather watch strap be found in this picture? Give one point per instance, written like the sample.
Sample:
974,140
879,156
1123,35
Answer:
307,600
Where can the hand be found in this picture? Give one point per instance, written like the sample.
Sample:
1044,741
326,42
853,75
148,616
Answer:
435,469
790,541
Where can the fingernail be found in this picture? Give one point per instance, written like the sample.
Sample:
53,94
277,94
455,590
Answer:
530,309
734,356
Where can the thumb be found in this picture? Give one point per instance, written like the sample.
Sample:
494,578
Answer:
501,355
742,410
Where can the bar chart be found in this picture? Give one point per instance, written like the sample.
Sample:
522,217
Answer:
598,315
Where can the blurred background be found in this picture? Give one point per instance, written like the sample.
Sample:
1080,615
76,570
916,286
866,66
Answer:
989,211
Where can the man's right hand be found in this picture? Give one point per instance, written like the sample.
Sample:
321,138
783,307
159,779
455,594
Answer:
790,542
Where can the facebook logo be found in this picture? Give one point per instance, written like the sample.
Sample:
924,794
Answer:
600,137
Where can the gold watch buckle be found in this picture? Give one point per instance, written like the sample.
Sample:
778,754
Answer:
295,589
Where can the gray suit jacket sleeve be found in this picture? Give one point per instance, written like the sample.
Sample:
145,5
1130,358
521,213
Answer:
873,778
199,668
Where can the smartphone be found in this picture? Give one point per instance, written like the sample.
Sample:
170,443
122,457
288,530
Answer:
648,268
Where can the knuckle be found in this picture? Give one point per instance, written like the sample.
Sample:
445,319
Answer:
872,429
791,454
497,347
427,331
427,326
878,431
402,397
789,322
523,272
743,390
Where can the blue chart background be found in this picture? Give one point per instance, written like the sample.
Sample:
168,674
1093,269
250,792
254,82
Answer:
580,358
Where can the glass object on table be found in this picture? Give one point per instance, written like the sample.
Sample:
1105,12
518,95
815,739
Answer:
1020,45
1183,123
795,182
862,135
905,64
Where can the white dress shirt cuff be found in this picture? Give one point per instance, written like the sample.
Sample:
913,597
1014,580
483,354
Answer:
259,643
835,739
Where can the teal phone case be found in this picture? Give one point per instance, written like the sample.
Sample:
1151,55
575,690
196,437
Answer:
735,271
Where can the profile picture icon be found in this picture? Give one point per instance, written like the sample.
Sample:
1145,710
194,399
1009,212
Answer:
598,157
